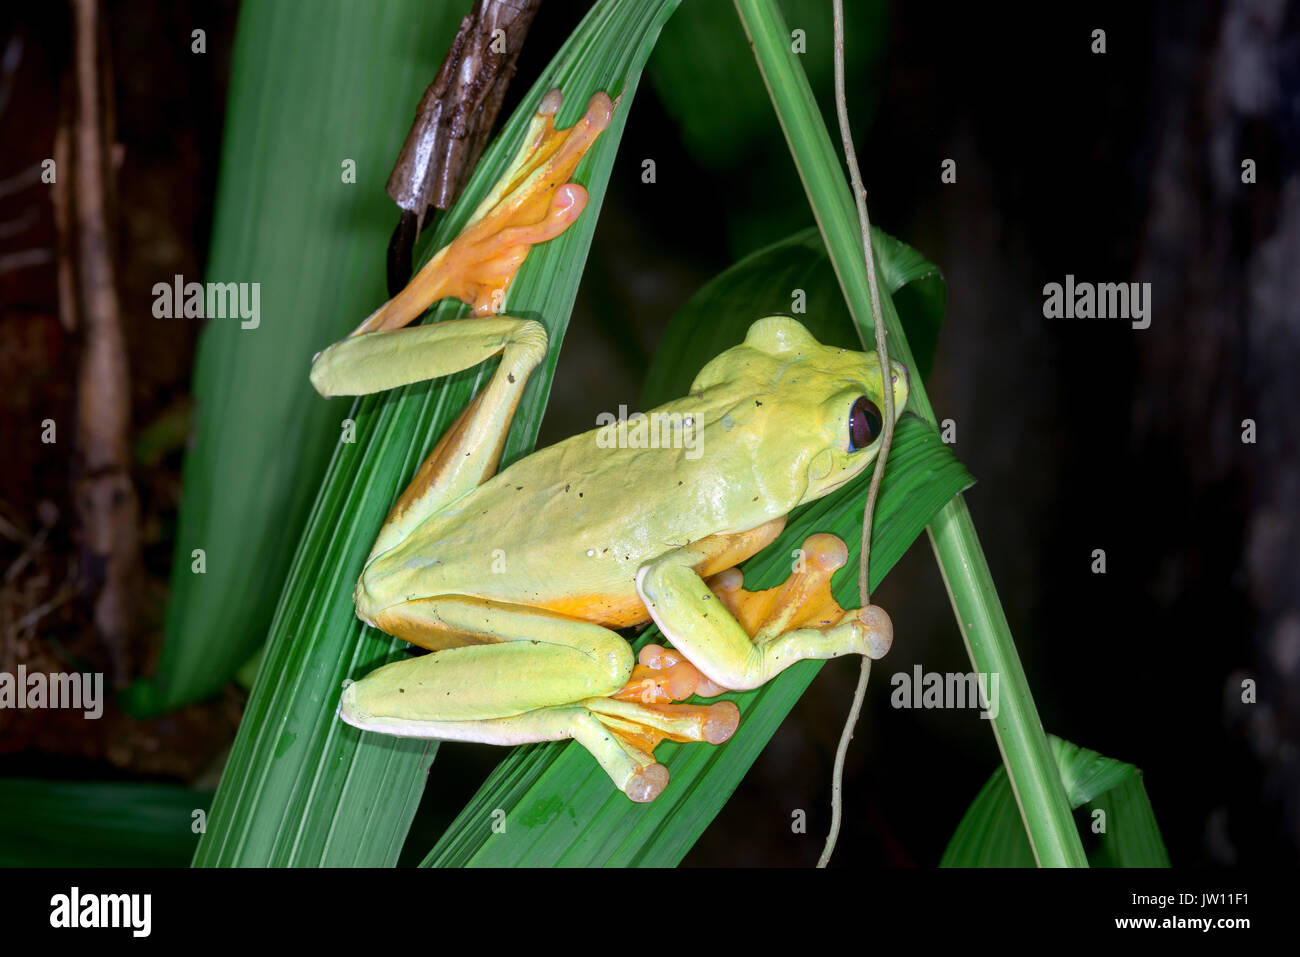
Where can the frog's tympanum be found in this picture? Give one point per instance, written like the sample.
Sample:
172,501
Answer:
516,580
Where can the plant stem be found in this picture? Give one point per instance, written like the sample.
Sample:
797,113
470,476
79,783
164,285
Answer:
983,624
886,437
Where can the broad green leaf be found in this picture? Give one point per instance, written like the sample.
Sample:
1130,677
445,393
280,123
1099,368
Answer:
704,73
560,807
314,84
991,833
918,292
301,787
97,823
766,283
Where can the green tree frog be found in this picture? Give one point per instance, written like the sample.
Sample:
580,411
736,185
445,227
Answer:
516,580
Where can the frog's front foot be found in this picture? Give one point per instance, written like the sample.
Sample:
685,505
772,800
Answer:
644,712
534,201
804,601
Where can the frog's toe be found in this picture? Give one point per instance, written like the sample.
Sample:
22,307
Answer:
644,726
564,209
804,600
721,722
664,674
660,676
647,783
879,637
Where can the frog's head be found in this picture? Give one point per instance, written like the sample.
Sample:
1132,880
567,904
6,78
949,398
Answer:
828,404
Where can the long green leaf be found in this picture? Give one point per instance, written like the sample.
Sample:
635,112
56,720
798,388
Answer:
1119,812
98,823
314,84
559,806
301,787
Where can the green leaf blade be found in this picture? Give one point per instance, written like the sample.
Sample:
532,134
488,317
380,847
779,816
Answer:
313,83
302,788
98,823
991,834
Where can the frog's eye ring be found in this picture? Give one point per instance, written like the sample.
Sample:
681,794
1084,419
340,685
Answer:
864,424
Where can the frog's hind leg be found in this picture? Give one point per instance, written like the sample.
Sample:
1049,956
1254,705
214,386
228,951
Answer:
621,736
633,770
509,674
490,659
501,674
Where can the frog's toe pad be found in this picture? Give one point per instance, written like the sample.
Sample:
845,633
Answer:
826,552
647,783
878,631
662,675
722,721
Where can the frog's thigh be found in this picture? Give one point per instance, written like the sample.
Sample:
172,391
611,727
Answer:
701,627
510,659
634,772
526,681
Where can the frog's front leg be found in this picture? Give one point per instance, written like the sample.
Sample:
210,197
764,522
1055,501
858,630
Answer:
509,674
468,452
740,640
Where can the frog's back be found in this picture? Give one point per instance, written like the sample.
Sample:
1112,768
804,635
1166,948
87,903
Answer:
568,527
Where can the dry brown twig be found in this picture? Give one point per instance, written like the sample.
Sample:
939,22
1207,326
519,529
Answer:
454,119
103,492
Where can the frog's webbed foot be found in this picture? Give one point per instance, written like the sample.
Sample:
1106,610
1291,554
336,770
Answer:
531,203
639,728
755,636
663,674
644,712
804,600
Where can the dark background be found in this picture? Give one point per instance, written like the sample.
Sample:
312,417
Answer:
1083,434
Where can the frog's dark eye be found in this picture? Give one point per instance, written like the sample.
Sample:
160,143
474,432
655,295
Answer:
864,424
